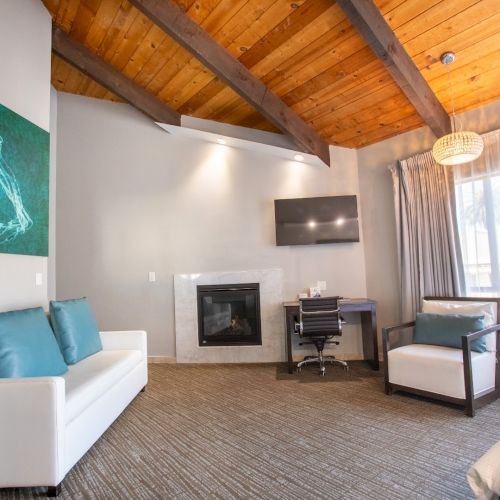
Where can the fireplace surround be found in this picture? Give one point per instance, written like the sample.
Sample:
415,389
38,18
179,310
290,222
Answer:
187,346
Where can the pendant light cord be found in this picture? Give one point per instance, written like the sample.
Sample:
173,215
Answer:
450,95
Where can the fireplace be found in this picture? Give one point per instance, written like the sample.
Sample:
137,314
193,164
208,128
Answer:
229,315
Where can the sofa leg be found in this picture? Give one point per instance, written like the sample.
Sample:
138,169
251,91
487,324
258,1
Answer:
470,411
143,389
388,388
53,491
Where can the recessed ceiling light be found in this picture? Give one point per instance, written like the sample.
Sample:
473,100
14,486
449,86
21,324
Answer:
298,158
340,221
312,224
221,141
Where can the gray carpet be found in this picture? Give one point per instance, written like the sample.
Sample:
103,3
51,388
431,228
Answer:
253,431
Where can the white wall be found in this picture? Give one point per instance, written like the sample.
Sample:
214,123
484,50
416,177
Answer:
132,198
377,207
51,279
25,37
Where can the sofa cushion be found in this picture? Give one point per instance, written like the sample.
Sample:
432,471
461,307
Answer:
487,309
28,347
75,328
447,330
90,378
439,369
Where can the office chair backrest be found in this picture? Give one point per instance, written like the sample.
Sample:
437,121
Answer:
320,317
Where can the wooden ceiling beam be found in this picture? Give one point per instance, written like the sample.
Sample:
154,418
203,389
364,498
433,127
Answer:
110,78
170,18
372,26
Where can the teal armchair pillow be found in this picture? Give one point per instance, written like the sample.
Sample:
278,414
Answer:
447,330
28,347
75,328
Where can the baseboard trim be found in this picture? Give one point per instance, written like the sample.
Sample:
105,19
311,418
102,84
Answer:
344,356
296,358
161,359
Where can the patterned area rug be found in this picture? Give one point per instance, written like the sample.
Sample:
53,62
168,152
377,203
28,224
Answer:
253,431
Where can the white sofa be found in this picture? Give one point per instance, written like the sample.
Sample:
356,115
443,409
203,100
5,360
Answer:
48,423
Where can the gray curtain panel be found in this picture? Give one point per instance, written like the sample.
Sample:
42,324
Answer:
428,248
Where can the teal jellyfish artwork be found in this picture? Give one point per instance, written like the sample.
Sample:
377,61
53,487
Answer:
24,185
21,222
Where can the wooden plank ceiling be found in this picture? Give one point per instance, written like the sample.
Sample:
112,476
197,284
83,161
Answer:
306,51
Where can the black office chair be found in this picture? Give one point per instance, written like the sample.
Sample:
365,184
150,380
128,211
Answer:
320,321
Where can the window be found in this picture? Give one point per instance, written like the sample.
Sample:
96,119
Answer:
478,216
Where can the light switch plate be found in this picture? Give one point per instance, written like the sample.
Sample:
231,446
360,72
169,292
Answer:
152,276
321,285
38,279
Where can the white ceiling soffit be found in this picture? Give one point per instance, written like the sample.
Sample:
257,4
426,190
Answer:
240,137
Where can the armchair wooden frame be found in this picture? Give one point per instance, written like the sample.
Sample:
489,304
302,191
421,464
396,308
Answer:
470,403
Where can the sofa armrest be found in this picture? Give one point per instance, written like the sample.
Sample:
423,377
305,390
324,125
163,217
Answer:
467,359
469,337
386,347
387,330
125,340
32,429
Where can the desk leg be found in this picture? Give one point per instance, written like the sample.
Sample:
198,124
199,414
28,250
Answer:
370,344
289,330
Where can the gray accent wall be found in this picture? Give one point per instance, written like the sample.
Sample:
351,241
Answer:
132,199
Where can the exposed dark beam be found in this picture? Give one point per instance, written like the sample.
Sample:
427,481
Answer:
110,78
170,18
369,21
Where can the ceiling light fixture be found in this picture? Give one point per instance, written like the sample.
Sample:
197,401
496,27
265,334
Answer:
460,146
298,158
221,141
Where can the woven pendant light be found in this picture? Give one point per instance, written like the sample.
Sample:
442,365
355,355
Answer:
459,146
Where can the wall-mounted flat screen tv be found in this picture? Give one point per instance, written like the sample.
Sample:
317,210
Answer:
312,221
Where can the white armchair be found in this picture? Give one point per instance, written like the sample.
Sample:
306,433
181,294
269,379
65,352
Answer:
460,376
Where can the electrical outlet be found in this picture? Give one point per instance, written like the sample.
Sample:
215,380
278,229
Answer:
321,285
152,276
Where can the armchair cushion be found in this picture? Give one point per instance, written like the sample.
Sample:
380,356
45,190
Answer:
28,347
447,329
75,328
440,370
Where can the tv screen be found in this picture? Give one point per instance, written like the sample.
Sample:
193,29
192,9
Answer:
312,221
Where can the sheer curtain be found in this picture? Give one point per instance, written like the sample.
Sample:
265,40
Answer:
477,188
429,258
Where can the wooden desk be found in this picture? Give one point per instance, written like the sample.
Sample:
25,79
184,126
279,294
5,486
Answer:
368,311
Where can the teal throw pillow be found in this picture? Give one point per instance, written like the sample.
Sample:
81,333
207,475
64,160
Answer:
28,347
447,330
75,328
